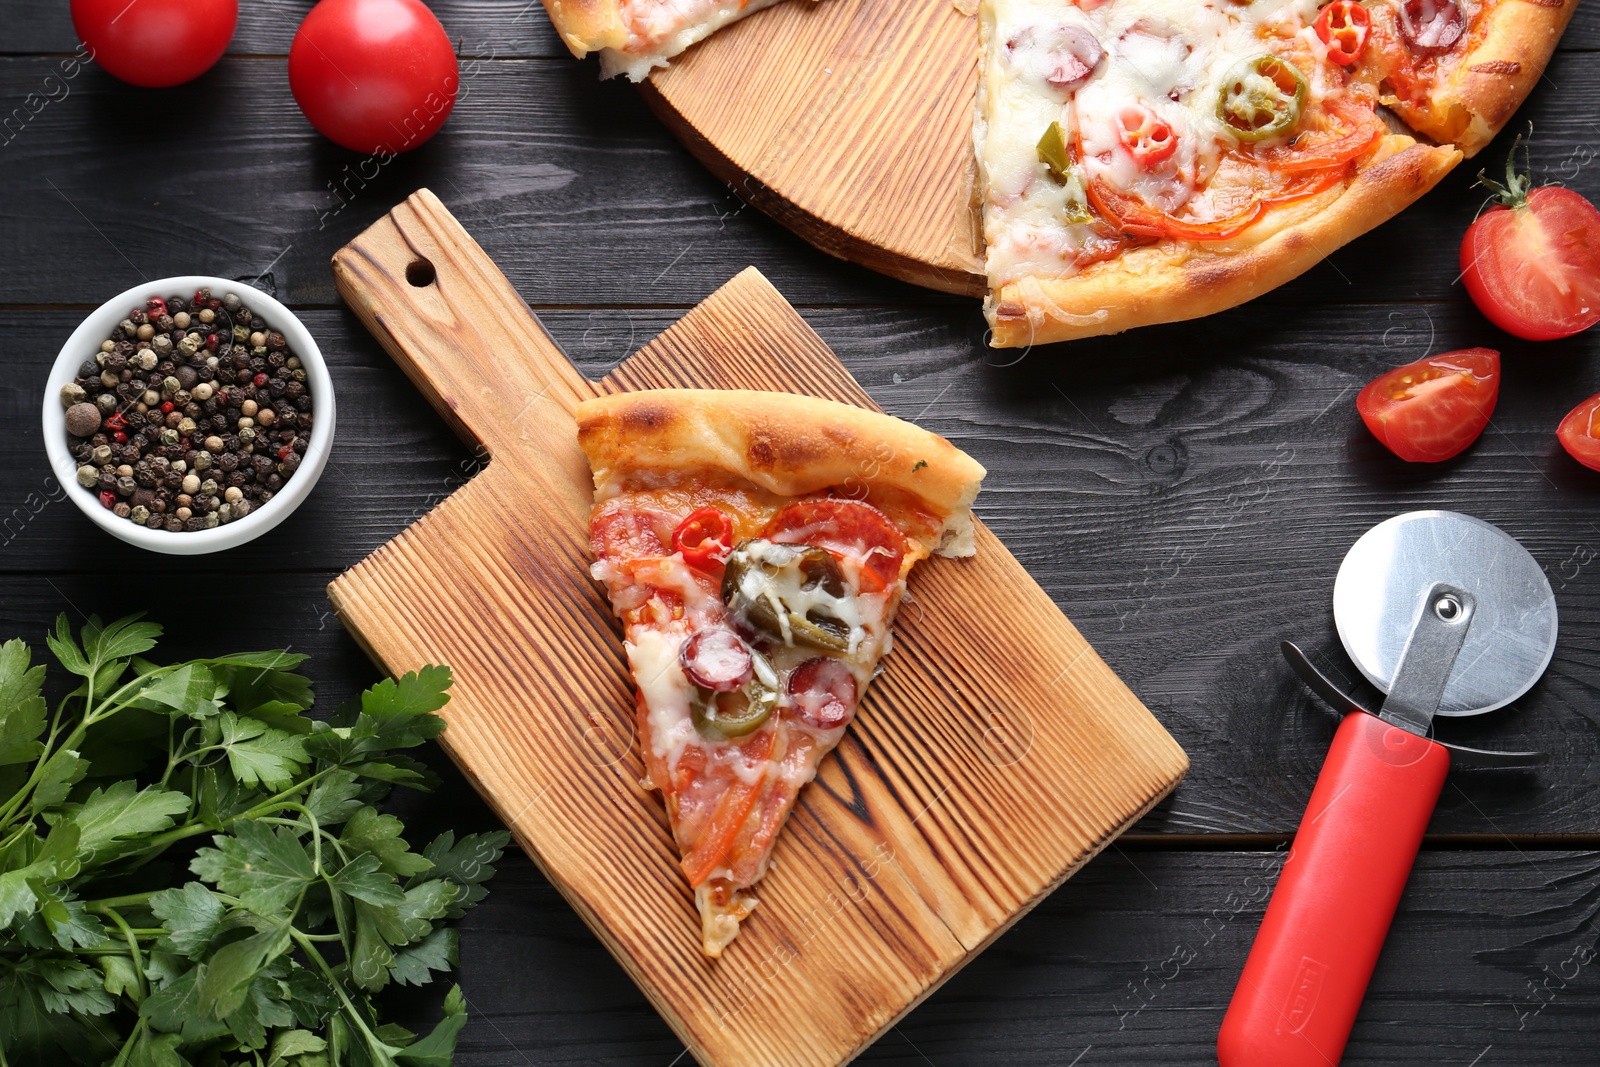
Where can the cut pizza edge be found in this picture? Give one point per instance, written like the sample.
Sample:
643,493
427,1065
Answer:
1492,77
1173,281
755,547
1448,119
603,26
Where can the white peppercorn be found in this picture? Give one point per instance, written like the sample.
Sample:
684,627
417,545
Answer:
83,420
88,476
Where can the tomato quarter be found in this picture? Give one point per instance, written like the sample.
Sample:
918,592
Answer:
156,43
1579,433
373,75
1532,263
1433,409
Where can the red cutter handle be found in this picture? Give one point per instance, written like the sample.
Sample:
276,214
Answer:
1330,912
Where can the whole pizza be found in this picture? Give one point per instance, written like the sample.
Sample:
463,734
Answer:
1146,161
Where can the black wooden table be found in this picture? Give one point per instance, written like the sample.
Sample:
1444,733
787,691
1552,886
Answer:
1185,493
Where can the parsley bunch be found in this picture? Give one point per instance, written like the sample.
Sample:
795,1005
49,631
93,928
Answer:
305,899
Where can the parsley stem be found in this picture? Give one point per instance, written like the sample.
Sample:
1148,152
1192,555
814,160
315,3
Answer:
315,956
130,900
133,947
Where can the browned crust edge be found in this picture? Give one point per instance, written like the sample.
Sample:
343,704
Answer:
786,443
1173,281
1486,85
588,25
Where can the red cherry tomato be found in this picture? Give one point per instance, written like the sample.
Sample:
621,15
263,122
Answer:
1579,433
1433,409
845,528
1344,26
1145,135
155,43
823,692
705,537
373,75
1532,264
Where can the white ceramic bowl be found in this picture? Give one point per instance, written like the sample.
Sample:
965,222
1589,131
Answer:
85,342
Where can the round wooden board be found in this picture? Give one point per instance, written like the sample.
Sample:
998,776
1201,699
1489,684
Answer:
849,121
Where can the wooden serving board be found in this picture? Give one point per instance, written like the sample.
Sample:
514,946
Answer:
849,121
996,755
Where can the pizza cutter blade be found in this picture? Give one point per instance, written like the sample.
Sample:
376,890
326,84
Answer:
1449,616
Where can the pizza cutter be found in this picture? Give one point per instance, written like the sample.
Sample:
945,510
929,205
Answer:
1447,615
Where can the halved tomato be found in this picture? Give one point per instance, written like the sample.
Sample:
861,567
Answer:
1431,410
1532,263
1579,433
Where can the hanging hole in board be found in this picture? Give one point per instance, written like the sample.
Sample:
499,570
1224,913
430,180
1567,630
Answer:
420,273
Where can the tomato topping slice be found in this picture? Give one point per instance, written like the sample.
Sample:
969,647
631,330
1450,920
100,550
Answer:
823,692
1579,433
733,808
846,528
630,533
1337,132
1344,27
1146,135
1431,410
704,537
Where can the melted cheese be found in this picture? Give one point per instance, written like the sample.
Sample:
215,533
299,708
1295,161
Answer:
663,28
1167,55
667,691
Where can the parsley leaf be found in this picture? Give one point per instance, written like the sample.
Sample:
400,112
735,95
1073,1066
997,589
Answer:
22,709
302,900
258,753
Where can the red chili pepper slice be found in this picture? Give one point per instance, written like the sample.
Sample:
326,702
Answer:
1146,135
1344,26
116,422
704,537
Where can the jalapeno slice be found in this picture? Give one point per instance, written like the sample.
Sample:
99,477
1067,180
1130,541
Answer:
764,577
1261,98
1053,152
741,711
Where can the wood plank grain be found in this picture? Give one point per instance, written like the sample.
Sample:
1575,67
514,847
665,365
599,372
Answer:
937,836
863,140
511,30
1130,963
1187,510
583,196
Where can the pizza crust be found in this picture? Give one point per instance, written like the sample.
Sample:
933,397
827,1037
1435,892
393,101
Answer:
785,443
588,25
1487,83
1172,281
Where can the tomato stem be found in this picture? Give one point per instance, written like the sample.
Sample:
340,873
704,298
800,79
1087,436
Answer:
1514,193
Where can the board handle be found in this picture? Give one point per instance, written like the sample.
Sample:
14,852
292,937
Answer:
1325,925
454,324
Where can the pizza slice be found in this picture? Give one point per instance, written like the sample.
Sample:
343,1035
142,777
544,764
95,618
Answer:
1147,161
1457,69
756,547
634,37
